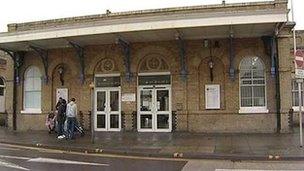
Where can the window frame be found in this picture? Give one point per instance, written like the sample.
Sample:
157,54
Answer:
31,110
296,108
253,109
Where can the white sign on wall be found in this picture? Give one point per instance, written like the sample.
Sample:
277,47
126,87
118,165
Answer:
212,96
128,97
63,93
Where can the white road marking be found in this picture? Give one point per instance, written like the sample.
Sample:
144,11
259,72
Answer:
7,148
49,160
250,170
15,157
11,165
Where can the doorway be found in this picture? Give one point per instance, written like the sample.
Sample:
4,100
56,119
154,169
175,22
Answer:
154,103
107,104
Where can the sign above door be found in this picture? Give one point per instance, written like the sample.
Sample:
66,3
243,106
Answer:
154,80
107,81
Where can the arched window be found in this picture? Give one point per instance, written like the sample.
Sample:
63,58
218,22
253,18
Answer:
32,89
2,98
252,83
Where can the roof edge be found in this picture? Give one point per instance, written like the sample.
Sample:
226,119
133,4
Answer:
143,13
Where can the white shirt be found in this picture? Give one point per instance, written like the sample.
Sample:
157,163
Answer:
71,110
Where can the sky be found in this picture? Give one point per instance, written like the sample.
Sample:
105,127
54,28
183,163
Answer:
18,11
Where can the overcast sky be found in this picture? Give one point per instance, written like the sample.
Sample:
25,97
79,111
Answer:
16,11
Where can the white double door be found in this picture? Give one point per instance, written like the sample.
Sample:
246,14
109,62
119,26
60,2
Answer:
154,109
107,109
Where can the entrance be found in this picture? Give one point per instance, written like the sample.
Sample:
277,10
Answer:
2,97
154,104
107,104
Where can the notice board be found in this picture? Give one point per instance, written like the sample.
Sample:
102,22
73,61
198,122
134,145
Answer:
212,96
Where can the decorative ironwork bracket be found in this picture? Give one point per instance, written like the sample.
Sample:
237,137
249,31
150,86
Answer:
231,56
182,57
125,46
44,55
271,50
17,58
80,54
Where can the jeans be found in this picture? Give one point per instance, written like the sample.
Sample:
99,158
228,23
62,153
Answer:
60,130
71,121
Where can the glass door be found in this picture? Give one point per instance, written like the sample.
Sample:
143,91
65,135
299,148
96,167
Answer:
154,109
146,108
114,110
163,109
100,109
107,109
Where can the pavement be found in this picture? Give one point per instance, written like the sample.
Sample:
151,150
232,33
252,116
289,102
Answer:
272,147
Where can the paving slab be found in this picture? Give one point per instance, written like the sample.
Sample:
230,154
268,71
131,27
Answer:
192,145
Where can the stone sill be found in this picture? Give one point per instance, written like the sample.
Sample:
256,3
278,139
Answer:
31,111
253,110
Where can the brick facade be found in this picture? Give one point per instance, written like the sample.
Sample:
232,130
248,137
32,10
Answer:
188,96
6,73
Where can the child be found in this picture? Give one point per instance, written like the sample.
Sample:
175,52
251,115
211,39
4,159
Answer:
50,122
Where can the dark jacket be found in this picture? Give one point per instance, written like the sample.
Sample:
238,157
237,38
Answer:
61,113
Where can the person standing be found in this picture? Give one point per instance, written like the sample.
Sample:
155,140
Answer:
61,114
58,103
71,113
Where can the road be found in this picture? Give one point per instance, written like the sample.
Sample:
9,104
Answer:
20,158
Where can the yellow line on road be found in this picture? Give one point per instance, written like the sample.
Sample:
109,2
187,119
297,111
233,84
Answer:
45,150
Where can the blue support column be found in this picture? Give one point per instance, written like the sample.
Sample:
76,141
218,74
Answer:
80,55
271,50
273,56
182,57
231,57
125,46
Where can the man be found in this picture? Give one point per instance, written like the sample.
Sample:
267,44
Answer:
61,113
71,113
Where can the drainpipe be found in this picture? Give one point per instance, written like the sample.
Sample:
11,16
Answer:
277,83
15,97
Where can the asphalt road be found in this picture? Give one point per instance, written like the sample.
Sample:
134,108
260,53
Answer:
17,158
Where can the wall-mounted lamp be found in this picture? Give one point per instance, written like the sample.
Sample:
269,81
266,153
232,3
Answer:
92,85
61,73
206,43
211,66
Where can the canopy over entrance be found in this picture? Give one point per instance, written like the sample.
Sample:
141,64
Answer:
197,22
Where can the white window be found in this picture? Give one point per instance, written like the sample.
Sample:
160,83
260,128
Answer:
32,90
252,86
295,95
2,97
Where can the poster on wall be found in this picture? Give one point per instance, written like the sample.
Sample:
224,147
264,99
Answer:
128,97
63,93
212,96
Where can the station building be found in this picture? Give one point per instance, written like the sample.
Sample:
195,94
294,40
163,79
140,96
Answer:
211,68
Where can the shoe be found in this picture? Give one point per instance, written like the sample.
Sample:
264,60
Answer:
61,136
